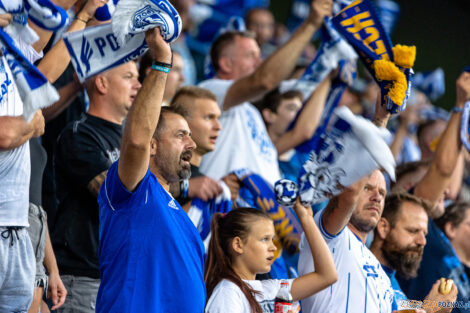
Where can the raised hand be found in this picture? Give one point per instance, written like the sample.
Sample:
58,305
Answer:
318,10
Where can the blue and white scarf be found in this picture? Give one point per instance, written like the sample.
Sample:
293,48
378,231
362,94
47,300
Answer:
35,90
201,212
351,148
362,28
333,49
100,48
432,83
42,12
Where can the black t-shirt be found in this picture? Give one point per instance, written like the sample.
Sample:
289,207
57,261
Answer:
85,148
38,163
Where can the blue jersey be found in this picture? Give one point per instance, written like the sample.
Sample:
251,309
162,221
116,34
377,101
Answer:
400,298
151,255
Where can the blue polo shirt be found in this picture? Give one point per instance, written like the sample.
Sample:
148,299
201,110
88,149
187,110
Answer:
151,255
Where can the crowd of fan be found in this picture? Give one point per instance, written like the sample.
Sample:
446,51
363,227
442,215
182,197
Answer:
389,241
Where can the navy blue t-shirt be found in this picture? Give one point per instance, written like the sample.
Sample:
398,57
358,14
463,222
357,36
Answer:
151,255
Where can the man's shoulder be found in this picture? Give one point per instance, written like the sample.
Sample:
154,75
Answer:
218,86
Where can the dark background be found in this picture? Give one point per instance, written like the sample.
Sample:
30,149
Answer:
440,30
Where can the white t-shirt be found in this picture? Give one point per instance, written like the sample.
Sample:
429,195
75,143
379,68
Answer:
228,298
362,284
15,164
243,141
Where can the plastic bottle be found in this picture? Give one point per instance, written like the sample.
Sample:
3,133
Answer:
283,300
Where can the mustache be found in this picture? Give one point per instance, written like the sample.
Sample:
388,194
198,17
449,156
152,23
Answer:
186,154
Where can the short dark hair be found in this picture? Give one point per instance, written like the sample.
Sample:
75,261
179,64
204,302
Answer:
161,121
394,201
273,99
192,92
251,12
223,41
454,214
410,167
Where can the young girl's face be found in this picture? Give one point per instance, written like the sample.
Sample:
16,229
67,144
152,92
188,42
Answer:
258,248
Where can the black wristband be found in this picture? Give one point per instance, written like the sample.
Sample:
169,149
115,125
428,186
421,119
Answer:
157,63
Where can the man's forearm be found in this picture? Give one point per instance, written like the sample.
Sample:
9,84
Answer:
140,125
281,63
14,132
278,66
50,262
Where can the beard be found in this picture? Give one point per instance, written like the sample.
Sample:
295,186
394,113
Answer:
184,172
362,224
405,261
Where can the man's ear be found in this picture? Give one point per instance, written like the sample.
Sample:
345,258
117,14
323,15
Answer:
449,230
383,228
101,84
268,116
237,245
225,65
153,146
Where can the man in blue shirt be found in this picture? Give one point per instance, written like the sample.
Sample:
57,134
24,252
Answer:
399,240
151,255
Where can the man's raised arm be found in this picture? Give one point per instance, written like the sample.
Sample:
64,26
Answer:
339,210
281,63
143,116
439,175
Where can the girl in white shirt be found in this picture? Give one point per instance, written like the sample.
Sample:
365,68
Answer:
242,246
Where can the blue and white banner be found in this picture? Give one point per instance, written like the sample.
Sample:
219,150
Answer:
35,90
351,148
96,49
201,212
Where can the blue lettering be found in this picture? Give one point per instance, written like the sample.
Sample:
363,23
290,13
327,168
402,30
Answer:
100,43
370,270
112,40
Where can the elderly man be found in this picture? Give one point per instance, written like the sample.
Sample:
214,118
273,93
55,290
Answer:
151,255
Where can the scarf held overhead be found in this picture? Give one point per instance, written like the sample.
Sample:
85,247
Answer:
100,48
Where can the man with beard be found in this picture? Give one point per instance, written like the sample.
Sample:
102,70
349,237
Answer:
151,255
362,284
399,240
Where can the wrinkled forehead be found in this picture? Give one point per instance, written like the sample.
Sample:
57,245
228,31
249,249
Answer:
174,122
412,214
